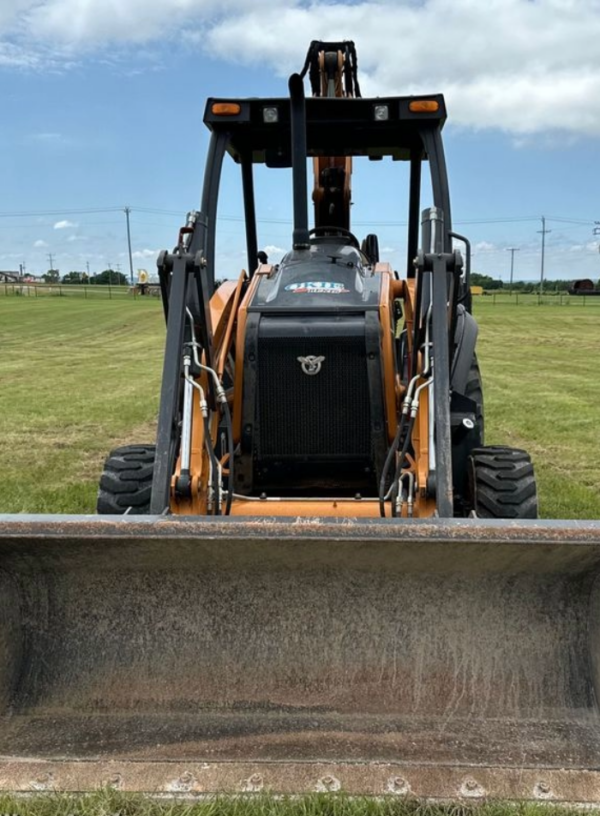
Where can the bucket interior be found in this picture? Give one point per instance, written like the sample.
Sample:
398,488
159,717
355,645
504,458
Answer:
299,648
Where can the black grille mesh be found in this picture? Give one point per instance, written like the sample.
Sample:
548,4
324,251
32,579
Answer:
325,416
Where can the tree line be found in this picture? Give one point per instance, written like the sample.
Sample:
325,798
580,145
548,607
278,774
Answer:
491,284
109,277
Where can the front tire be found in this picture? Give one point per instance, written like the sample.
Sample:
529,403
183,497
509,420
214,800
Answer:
126,481
501,483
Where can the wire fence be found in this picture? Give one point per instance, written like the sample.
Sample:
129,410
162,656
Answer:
104,292
107,292
532,299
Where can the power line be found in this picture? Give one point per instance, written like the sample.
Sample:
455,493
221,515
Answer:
36,213
569,220
180,213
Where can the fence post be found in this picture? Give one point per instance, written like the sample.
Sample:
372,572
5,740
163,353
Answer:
109,292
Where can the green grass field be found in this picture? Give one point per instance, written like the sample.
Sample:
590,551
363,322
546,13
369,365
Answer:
80,377
541,374
108,803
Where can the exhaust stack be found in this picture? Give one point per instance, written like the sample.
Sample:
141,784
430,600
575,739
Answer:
298,121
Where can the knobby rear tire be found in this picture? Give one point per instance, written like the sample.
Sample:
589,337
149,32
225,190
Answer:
126,481
502,483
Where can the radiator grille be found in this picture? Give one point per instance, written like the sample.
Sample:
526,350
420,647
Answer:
326,416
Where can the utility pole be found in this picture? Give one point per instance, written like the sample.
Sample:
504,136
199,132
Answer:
543,232
51,261
87,266
127,211
512,251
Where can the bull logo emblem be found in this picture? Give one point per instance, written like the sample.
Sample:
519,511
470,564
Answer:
311,365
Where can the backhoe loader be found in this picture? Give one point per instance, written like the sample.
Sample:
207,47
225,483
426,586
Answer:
318,578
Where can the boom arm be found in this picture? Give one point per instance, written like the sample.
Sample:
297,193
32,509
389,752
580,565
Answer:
332,68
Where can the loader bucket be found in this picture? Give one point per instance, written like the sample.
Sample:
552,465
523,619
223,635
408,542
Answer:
449,659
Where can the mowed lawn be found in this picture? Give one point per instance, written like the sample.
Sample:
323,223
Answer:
110,803
541,380
79,377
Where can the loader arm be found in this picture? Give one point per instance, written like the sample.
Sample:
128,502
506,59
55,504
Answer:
389,461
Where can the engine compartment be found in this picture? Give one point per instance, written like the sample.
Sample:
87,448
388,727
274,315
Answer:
313,407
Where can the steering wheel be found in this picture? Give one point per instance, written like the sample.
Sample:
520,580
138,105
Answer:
344,233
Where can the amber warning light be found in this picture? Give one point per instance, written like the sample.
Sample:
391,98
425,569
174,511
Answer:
226,108
424,106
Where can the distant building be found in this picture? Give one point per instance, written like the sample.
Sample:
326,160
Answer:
584,286
10,277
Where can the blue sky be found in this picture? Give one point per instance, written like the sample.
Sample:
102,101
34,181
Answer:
102,108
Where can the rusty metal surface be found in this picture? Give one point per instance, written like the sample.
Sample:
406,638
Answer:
440,659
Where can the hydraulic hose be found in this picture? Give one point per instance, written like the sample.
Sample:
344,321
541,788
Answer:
388,462
230,482
216,486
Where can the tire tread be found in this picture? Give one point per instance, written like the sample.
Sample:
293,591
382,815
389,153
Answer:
502,483
126,480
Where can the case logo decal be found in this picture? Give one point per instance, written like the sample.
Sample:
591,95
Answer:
311,365
317,288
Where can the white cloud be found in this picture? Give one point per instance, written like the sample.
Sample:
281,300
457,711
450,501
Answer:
39,244
10,9
524,66
16,56
64,225
484,246
72,238
591,246
516,65
74,22
271,249
145,253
